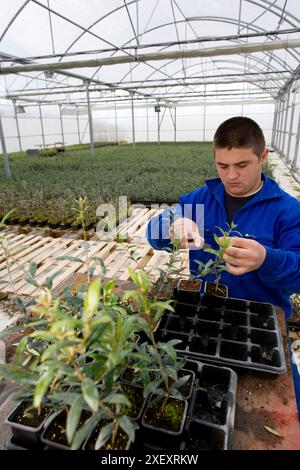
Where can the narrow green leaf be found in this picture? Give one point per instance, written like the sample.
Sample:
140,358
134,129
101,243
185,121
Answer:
20,349
20,305
85,245
73,418
117,399
91,300
49,280
33,352
32,281
104,435
32,269
128,426
90,394
6,216
85,430
42,387
70,258
99,261
134,277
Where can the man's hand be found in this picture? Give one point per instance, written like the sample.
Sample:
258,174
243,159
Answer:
244,255
187,232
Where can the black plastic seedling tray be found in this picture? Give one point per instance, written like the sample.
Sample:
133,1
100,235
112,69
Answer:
209,416
209,422
226,331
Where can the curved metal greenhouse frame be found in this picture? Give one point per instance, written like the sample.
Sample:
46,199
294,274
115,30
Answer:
169,53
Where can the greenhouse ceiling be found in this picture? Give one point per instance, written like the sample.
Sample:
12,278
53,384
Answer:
166,51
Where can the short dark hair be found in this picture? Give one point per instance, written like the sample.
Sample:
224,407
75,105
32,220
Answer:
240,132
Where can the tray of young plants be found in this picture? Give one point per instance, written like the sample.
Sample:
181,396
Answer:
200,418
82,380
225,330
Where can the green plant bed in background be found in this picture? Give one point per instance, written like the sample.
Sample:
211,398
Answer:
43,189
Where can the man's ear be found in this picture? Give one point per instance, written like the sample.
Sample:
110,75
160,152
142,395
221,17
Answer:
264,156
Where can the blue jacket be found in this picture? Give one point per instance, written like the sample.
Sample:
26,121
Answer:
272,217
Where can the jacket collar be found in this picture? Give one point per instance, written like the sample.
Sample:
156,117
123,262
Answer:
270,189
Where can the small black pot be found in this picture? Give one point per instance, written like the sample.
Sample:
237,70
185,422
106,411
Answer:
210,288
188,291
164,428
22,434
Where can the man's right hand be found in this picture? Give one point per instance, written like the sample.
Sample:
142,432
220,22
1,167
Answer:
187,232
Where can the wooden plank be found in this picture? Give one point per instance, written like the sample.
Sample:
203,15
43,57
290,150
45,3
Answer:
157,260
12,242
24,247
31,248
144,253
93,252
45,270
103,254
131,221
132,232
19,275
114,261
68,267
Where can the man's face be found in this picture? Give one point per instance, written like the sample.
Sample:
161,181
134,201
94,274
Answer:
239,169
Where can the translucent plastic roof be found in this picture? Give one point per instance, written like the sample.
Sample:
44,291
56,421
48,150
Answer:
175,50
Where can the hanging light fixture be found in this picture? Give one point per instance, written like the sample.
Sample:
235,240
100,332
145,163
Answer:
48,74
20,109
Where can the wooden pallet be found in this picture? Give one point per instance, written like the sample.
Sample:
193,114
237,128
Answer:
45,251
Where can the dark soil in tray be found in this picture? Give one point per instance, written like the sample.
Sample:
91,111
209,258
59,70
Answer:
120,442
210,408
202,437
165,414
28,416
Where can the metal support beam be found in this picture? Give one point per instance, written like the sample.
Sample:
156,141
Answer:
116,123
92,150
204,115
295,159
280,124
158,126
147,118
274,124
78,127
19,94
17,125
290,134
42,125
132,120
61,124
4,152
285,120
170,55
175,124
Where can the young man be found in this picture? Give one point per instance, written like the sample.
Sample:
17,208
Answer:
264,259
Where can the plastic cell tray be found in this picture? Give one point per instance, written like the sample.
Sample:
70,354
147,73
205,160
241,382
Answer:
209,423
228,331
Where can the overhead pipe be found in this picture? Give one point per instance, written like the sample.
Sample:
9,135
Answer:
170,55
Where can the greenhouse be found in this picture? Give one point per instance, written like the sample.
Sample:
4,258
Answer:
150,225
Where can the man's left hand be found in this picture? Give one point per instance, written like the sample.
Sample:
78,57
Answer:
244,255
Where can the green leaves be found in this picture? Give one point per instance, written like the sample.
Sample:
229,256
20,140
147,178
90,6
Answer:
90,394
73,418
70,258
42,387
32,268
104,435
91,301
5,217
85,430
128,426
